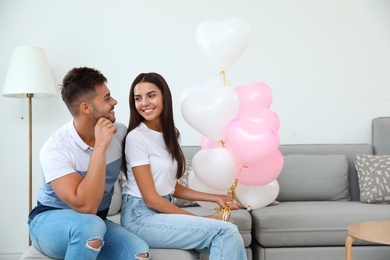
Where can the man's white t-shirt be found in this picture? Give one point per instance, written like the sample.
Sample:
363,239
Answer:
65,152
145,146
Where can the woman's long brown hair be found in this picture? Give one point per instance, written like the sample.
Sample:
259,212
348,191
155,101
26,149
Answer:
170,133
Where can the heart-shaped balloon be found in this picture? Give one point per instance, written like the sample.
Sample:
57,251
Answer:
216,168
263,172
222,42
196,184
209,113
255,197
248,109
250,142
207,143
257,92
202,88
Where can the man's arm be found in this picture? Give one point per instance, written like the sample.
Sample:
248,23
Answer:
85,194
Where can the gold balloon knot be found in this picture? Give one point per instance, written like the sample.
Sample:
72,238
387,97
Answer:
224,77
224,213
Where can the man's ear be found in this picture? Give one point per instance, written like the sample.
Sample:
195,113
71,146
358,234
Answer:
85,108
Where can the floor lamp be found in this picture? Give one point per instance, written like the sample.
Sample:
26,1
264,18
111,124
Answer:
29,76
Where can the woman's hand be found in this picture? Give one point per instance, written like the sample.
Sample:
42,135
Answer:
224,200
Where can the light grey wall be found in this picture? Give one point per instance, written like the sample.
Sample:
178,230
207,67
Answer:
327,63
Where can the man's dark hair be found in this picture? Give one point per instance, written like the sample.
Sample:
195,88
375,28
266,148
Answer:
79,85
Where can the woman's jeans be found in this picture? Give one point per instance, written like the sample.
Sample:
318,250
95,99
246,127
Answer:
218,238
65,234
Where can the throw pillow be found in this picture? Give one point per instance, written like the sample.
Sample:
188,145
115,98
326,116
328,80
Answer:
116,200
311,177
374,178
184,181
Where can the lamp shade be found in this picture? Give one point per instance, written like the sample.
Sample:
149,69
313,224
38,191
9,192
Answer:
29,73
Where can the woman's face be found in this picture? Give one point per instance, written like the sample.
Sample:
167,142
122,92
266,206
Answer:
148,100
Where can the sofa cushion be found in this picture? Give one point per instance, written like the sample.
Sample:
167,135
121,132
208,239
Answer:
184,181
314,177
116,200
374,178
32,253
312,223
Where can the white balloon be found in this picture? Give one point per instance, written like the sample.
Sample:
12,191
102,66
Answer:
201,89
215,167
209,113
255,197
222,42
196,184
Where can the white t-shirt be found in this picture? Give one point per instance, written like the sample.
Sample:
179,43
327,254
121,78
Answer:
145,146
65,152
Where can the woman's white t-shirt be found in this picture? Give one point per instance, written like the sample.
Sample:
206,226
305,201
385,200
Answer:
145,146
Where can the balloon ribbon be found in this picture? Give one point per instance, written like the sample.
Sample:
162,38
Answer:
224,77
225,211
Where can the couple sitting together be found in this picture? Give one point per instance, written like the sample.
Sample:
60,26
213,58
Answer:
81,162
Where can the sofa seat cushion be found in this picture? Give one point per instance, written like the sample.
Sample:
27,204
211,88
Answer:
32,253
312,223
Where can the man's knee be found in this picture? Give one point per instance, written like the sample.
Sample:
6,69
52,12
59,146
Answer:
95,243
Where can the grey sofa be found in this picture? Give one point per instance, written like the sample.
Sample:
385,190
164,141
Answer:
315,210
319,198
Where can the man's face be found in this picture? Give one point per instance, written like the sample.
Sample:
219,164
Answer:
103,104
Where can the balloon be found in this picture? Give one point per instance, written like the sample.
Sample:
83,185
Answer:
250,142
255,197
257,92
202,89
196,184
257,114
207,143
222,42
215,167
209,113
263,172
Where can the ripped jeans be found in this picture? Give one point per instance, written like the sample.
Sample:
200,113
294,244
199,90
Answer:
220,239
65,234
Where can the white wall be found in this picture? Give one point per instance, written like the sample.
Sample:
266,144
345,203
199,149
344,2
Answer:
327,63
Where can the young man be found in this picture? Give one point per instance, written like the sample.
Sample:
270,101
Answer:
80,163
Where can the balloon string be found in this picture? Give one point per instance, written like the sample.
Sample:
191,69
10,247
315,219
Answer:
239,174
224,77
225,211
232,189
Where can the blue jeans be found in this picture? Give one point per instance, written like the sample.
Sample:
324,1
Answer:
218,238
65,234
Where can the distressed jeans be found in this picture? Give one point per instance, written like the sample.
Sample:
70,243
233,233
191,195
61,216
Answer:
220,239
65,234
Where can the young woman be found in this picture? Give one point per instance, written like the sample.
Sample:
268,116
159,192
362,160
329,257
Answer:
154,163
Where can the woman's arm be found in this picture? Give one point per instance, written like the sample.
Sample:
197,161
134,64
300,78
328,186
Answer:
183,192
152,199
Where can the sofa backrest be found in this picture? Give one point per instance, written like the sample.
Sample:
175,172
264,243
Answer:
381,135
349,150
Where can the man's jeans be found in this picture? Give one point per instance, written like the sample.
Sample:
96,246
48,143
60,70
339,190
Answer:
65,234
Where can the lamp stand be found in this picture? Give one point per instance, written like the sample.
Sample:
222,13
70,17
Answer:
29,96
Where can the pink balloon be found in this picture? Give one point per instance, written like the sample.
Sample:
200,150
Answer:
250,142
257,92
208,143
248,109
263,172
